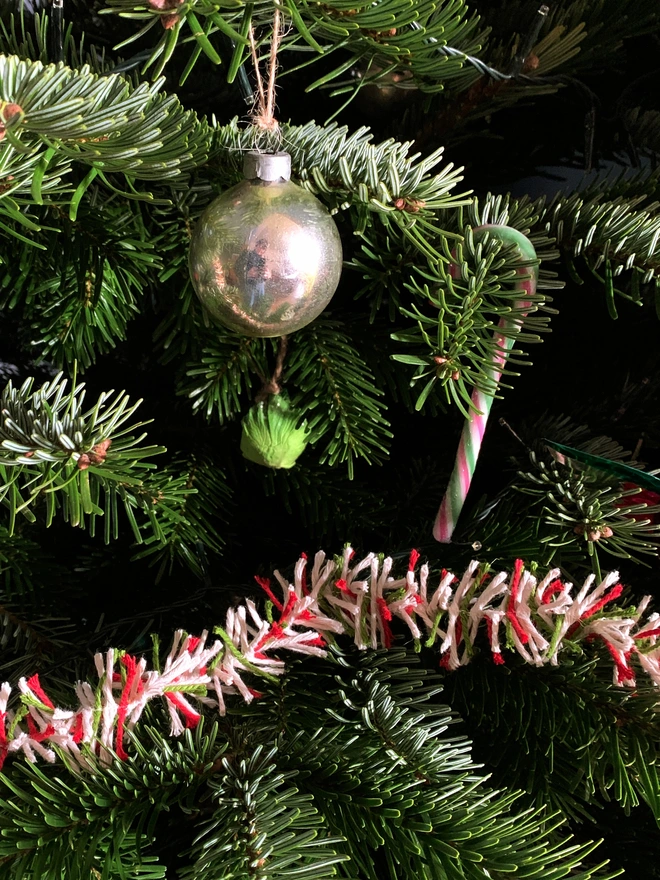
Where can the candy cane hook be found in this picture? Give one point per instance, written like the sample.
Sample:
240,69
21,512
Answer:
475,426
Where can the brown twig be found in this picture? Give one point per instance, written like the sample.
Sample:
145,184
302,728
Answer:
272,385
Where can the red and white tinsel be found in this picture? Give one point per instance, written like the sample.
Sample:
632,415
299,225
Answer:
337,597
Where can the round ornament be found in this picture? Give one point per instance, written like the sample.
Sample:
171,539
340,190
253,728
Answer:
265,256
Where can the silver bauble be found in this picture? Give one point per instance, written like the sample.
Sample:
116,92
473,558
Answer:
265,256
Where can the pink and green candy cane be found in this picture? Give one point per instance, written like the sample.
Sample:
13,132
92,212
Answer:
475,426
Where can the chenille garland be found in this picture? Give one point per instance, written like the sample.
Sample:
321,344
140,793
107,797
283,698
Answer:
535,618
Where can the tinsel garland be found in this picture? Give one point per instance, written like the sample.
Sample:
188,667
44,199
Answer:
535,618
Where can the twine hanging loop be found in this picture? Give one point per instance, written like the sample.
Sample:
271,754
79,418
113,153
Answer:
264,112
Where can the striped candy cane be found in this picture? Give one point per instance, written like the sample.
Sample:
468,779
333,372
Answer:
475,425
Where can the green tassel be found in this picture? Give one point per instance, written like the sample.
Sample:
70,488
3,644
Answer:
272,433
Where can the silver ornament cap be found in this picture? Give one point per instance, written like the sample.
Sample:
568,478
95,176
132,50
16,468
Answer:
265,257
267,166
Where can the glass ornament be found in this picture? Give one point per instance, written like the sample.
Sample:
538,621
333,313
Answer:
265,256
272,434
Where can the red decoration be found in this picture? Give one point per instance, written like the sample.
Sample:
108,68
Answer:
644,496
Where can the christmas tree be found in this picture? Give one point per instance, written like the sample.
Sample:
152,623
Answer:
233,642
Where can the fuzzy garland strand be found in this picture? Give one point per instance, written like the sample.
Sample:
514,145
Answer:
338,597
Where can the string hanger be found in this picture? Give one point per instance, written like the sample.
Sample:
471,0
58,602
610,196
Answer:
264,111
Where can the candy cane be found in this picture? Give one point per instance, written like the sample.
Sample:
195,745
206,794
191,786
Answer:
475,425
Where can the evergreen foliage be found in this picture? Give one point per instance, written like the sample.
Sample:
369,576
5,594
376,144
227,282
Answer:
595,744
348,753
120,120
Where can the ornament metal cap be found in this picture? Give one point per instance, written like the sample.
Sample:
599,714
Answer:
267,166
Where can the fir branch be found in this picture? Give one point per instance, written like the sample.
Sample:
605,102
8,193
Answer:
398,511
541,72
432,759
80,286
348,170
586,742
25,567
262,827
562,511
452,344
607,25
643,129
609,237
39,638
189,495
49,425
53,116
557,49
185,326
57,456
578,38
381,787
497,527
578,504
30,638
225,373
16,38
335,390
174,23
436,45
311,491
405,825
165,140
87,826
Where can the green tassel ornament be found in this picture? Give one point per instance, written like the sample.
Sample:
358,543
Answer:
272,433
